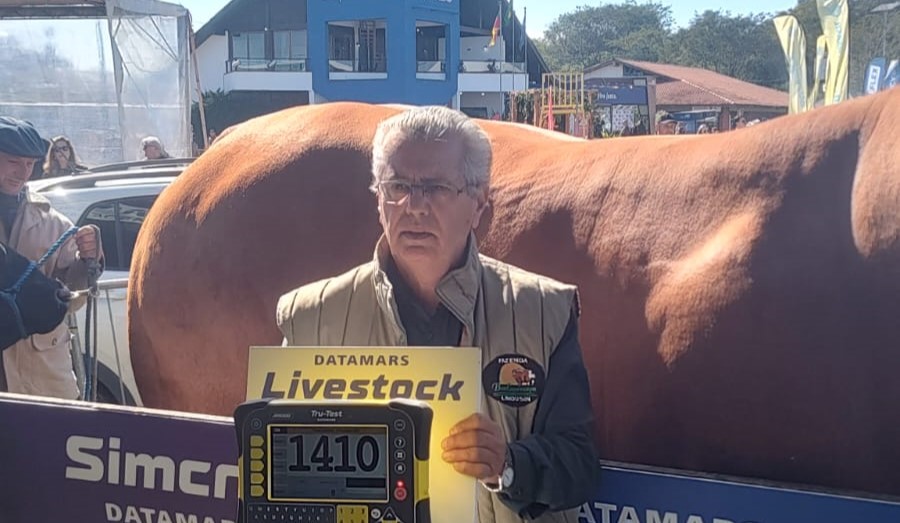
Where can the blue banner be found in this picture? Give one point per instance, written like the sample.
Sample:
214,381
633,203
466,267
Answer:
875,74
630,495
74,461
892,77
611,92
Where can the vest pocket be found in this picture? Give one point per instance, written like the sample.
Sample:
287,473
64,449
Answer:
58,337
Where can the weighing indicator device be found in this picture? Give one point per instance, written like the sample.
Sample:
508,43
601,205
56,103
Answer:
333,462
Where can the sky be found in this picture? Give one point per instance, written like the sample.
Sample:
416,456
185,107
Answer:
542,12
75,39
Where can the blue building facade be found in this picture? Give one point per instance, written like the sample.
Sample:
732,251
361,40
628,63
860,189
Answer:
398,80
269,54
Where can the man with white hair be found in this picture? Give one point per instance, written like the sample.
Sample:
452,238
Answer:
429,286
153,148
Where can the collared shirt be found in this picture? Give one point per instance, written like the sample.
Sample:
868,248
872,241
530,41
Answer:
423,329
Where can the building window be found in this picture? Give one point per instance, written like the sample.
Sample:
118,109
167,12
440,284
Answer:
248,50
357,46
431,48
290,50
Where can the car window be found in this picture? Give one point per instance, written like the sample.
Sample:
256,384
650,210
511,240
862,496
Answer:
103,215
119,222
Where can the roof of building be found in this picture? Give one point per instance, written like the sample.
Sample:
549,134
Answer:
680,85
215,24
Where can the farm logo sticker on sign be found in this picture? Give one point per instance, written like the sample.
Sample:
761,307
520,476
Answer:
448,379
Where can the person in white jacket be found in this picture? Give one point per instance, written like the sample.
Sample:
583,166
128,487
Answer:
42,363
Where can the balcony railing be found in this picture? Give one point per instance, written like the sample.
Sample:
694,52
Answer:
278,65
377,66
357,66
491,67
431,66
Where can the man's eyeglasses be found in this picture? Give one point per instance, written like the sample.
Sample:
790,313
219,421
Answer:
395,191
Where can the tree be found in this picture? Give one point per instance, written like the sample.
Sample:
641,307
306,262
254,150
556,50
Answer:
217,112
591,35
744,47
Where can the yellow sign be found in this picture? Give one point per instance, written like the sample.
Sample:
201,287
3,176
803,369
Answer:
793,42
834,16
448,379
820,72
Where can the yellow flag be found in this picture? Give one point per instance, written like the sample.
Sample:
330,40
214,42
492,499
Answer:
834,16
821,66
793,42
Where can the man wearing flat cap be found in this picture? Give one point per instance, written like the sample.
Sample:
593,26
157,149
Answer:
41,364
665,124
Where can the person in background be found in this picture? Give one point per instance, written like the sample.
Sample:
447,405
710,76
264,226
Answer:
153,149
61,159
665,124
703,129
641,128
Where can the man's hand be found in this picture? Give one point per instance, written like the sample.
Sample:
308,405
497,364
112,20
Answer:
88,246
476,447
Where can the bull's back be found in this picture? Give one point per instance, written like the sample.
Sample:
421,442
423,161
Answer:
737,289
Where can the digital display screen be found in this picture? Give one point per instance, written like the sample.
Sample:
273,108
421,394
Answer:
312,462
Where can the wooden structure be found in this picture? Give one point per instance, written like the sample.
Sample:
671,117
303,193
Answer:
561,95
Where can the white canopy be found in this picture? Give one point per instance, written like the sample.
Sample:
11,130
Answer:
103,73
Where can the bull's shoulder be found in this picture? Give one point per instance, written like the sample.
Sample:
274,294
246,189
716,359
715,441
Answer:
302,311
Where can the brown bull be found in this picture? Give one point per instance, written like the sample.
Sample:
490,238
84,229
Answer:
740,291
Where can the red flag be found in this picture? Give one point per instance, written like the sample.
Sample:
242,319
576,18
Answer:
496,29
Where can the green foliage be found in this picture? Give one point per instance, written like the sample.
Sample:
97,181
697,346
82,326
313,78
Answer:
226,109
216,108
524,106
591,35
744,47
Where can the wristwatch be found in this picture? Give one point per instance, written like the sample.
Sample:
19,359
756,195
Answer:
505,480
507,477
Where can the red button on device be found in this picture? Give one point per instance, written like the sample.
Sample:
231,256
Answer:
399,493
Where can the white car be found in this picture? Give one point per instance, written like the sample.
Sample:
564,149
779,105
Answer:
115,198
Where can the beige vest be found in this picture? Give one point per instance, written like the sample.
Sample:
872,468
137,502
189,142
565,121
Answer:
503,310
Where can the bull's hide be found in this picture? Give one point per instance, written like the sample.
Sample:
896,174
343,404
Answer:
740,291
